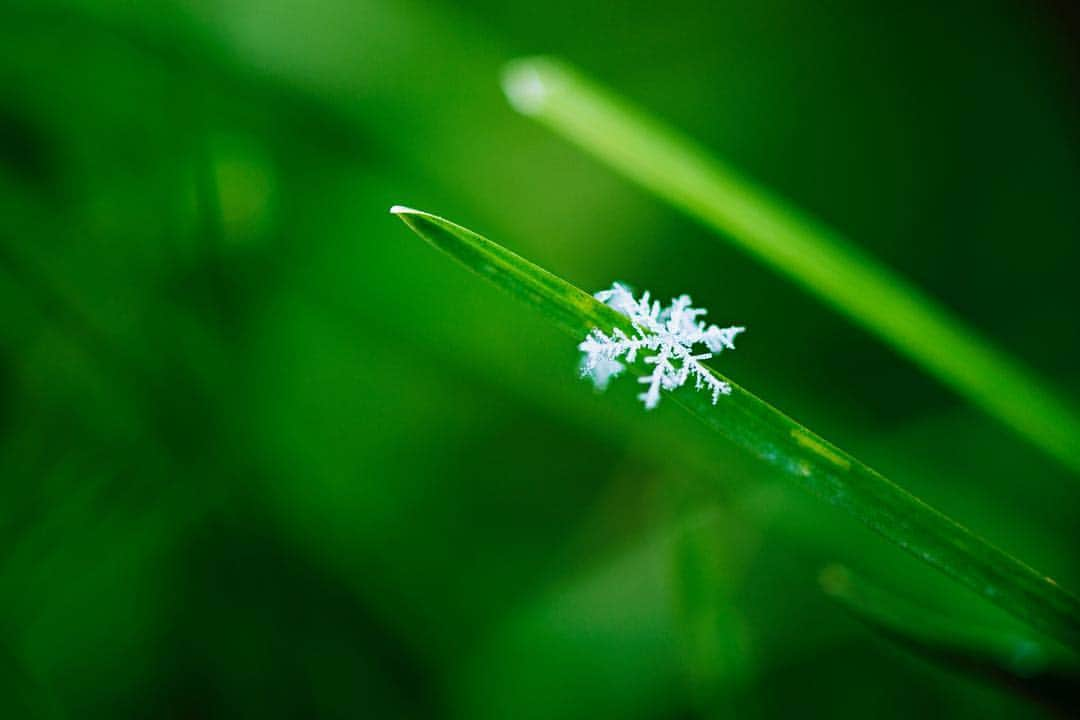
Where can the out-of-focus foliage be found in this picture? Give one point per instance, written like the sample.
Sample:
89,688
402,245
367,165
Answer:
264,456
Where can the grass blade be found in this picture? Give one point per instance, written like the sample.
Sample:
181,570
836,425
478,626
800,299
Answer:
815,256
810,461
1014,660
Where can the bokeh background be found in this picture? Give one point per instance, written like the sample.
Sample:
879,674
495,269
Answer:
263,453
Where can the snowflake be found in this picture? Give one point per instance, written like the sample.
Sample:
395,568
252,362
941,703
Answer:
668,333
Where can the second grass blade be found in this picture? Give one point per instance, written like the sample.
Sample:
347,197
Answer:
815,256
1004,657
802,456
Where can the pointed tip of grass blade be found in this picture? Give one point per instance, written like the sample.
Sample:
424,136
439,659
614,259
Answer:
574,310
416,219
462,244
529,82
409,216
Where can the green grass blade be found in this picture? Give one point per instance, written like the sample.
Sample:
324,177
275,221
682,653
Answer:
675,169
1014,660
811,462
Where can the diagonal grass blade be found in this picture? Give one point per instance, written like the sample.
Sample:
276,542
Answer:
811,462
815,256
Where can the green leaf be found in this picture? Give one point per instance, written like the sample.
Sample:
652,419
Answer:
811,462
815,256
1016,660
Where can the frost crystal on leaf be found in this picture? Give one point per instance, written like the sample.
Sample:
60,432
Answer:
669,334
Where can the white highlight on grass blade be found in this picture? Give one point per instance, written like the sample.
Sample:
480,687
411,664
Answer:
669,332
402,210
525,87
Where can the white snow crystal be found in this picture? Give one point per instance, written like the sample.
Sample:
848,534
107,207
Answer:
668,333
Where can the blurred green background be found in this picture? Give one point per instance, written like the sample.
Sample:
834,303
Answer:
263,453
